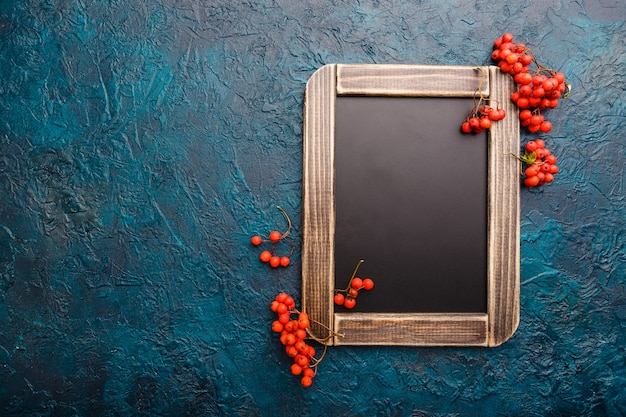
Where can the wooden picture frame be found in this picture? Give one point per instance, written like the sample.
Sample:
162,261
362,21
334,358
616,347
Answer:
503,173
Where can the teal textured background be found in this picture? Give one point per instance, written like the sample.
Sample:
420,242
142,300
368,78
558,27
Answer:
143,142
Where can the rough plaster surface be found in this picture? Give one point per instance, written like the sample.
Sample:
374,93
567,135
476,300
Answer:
143,142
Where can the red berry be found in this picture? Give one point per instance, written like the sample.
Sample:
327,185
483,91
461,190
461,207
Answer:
545,126
512,58
525,91
548,85
289,327
526,59
534,101
274,261
523,103
285,261
301,346
539,92
524,78
368,284
531,181
306,381
356,283
349,303
485,122
290,339
339,299
284,318
505,66
265,256
277,326
507,37
532,171
275,236
542,177
496,114
301,334
541,153
537,79
256,240
533,128
311,352
302,360
531,146
296,369
289,302
536,119
303,321
292,352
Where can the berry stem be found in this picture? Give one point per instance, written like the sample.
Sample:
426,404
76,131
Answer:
292,248
478,90
323,340
317,361
317,339
288,222
356,268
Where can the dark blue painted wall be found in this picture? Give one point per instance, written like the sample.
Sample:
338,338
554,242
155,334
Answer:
143,142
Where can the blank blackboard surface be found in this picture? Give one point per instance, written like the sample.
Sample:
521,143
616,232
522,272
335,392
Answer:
411,200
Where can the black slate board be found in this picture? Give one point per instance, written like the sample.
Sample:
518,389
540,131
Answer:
411,200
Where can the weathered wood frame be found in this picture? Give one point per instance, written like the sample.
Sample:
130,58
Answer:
410,329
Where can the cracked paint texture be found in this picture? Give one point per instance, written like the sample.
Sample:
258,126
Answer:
143,142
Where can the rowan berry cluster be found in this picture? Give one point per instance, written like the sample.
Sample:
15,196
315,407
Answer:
534,121
270,256
480,118
293,325
347,297
537,90
481,115
541,164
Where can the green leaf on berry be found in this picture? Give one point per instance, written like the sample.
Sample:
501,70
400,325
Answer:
568,89
529,157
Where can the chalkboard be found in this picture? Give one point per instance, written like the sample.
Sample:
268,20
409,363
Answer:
389,178
408,200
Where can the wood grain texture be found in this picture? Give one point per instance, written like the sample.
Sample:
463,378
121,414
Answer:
411,329
504,213
502,318
410,80
319,199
